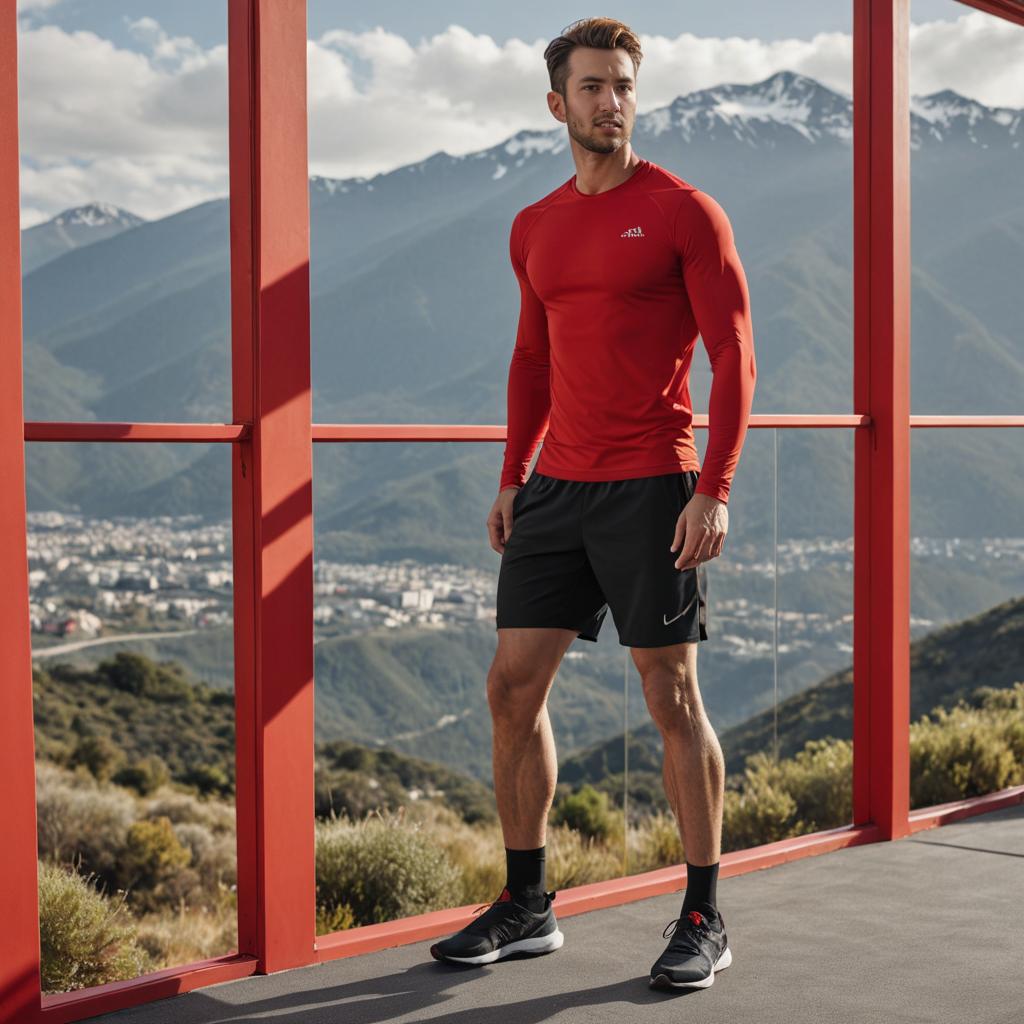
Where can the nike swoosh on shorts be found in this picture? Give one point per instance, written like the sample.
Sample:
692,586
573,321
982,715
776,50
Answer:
668,621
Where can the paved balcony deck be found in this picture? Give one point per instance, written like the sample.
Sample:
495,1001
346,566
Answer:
928,929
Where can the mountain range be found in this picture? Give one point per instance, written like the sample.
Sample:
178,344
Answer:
414,309
72,229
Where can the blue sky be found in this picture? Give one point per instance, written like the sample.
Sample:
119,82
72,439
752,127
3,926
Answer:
125,101
205,20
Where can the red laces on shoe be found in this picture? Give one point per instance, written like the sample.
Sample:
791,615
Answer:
505,897
695,917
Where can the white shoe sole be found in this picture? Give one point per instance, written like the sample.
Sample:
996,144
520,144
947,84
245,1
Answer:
664,981
542,944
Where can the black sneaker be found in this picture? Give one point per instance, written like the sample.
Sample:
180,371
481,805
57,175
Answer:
698,948
504,928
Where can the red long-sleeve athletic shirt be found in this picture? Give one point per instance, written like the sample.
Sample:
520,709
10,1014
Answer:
614,290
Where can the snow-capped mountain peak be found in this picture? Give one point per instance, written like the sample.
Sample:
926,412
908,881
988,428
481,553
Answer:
946,114
752,112
784,109
96,214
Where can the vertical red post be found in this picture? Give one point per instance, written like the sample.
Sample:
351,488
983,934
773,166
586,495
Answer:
19,883
881,388
272,481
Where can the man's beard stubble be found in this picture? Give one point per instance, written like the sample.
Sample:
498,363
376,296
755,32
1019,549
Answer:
595,143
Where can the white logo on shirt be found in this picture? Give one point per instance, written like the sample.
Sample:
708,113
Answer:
633,233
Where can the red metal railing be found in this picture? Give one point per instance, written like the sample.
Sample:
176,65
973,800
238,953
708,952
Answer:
271,437
204,432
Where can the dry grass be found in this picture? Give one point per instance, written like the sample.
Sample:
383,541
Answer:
188,934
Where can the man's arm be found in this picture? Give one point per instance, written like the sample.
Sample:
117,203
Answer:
717,290
529,392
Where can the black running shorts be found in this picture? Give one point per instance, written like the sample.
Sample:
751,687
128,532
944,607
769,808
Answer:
578,547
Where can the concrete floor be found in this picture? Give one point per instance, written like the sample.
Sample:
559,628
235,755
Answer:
927,929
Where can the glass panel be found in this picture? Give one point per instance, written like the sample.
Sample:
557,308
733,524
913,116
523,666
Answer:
133,667
124,214
775,672
967,578
967,357
404,638
967,227
414,301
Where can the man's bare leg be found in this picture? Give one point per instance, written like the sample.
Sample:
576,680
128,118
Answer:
693,770
525,772
694,773
525,765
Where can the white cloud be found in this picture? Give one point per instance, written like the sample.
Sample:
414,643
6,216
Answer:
148,130
460,92
978,55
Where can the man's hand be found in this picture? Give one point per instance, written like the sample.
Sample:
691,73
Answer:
701,527
499,522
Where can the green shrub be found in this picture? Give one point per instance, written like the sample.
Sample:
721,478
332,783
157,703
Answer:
589,812
208,779
145,775
81,823
794,796
355,759
97,753
335,919
138,675
382,868
968,751
760,813
153,855
84,939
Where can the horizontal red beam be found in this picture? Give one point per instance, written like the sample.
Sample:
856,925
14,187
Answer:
176,432
943,814
967,421
1011,10
64,1007
202,432
497,432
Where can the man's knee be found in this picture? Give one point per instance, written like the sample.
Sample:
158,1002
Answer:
523,670
516,697
673,699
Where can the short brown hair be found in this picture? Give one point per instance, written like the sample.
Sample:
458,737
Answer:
600,33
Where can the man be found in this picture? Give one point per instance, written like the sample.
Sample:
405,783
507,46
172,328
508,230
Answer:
619,269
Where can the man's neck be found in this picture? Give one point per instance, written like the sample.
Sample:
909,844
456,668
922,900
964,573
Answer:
599,178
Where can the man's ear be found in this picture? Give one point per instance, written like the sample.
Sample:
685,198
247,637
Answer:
557,106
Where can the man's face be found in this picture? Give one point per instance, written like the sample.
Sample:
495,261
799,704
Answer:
600,99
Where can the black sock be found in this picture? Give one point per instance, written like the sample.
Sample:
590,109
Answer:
526,877
701,887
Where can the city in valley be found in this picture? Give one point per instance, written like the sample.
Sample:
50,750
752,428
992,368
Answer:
93,579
